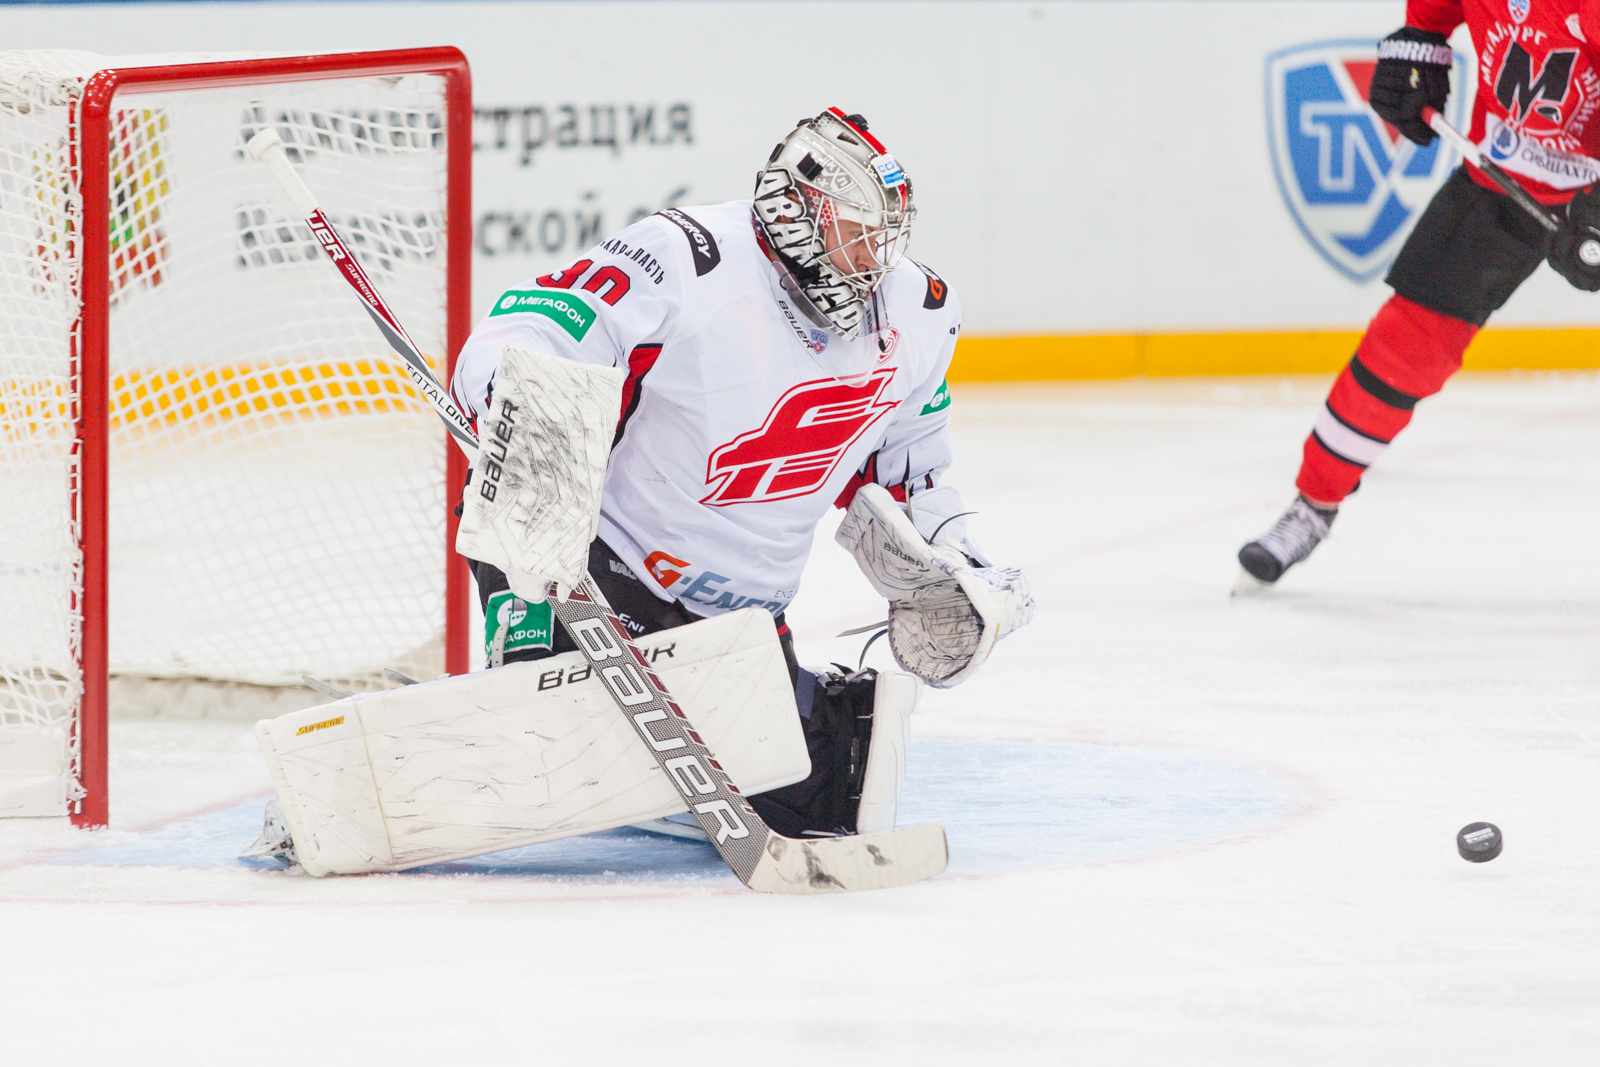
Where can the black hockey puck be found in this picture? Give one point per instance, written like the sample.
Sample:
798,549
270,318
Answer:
1479,842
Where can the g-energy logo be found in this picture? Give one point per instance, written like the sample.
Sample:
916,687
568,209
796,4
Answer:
701,245
934,299
492,460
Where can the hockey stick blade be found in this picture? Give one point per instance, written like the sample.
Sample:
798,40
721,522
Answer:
765,861
847,864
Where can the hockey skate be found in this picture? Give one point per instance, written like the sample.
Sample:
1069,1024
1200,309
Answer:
275,842
1289,541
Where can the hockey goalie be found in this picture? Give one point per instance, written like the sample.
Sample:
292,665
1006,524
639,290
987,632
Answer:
732,370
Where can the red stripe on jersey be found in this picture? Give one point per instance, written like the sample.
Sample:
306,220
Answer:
640,360
867,475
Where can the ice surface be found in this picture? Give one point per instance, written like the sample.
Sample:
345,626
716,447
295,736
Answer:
1185,829
1006,806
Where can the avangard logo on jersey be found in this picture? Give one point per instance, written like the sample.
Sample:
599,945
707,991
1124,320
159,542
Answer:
1351,182
800,444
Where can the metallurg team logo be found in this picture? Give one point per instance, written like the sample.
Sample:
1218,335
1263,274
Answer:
1353,184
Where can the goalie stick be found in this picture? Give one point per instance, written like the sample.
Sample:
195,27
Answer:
763,860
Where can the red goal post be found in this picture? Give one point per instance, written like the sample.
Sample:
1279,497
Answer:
294,389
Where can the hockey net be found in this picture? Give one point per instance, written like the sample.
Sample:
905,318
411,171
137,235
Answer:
208,410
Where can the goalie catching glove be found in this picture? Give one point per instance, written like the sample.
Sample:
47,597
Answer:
947,607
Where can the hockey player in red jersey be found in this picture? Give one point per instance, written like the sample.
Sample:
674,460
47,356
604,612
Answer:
1535,114
781,356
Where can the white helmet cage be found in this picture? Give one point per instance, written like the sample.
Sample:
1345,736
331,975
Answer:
836,210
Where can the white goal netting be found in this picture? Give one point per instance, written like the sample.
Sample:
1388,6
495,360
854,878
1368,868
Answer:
276,489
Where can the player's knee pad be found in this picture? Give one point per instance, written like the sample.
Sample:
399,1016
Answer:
856,728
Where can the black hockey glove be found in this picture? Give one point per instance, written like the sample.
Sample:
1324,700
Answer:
1413,72
1575,246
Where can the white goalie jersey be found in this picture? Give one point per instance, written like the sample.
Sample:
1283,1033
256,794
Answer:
734,435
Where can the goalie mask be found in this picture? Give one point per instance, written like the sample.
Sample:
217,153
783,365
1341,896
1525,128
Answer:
835,211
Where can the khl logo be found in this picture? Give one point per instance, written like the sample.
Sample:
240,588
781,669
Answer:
1353,184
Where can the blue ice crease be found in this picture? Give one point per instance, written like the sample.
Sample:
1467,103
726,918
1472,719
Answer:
1007,806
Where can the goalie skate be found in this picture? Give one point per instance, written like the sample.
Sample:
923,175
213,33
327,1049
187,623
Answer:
276,841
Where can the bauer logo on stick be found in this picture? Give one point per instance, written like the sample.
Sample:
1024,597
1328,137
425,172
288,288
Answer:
1352,184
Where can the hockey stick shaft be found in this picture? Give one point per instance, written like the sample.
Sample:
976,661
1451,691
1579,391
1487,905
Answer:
763,860
268,147
1508,185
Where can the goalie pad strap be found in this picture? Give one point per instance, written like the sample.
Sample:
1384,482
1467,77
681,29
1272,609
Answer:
838,725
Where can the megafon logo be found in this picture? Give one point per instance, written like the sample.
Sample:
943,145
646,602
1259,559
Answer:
1352,183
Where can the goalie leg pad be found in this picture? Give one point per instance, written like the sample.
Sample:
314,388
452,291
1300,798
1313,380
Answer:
856,727
529,752
884,775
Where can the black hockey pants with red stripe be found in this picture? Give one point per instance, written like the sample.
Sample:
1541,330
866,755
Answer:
1467,255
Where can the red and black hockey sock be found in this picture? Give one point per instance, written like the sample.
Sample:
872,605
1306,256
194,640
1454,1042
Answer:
1408,353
